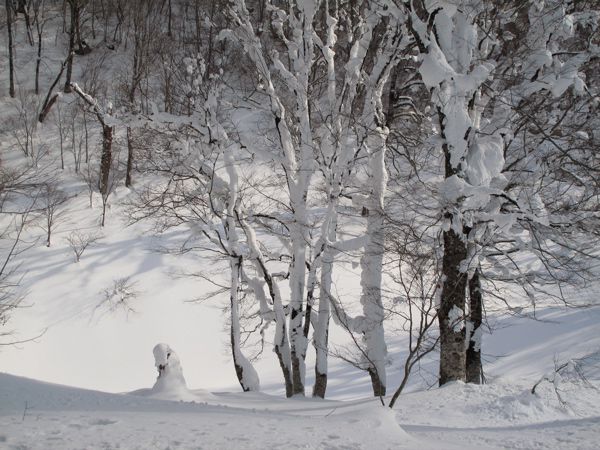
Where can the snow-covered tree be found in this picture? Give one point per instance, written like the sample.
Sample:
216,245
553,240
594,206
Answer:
321,140
492,69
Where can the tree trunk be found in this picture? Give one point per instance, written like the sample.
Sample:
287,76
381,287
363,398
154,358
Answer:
281,345
452,310
474,367
169,14
67,88
106,159
242,366
371,264
87,146
321,333
297,283
93,20
129,157
23,9
49,101
377,384
40,28
11,64
78,30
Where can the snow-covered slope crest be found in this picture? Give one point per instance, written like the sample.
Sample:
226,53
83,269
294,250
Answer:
38,415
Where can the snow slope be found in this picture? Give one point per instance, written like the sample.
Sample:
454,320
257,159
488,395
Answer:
37,415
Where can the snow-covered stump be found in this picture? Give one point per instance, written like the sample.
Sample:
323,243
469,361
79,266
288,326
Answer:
170,380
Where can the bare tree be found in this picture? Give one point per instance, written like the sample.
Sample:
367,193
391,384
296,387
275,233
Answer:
24,129
416,283
52,199
89,175
79,242
118,297
21,183
63,133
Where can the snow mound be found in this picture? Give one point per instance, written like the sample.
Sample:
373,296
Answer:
170,383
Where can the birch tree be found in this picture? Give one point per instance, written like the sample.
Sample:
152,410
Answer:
326,135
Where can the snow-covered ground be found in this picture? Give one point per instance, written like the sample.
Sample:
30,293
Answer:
37,415
43,416
500,414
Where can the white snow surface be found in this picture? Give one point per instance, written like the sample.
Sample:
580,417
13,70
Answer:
36,415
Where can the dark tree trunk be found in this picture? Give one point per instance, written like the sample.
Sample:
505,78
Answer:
297,362
129,157
73,9
474,367
23,9
80,46
11,63
236,267
40,28
93,20
452,309
211,38
239,370
87,146
287,376
50,100
170,12
320,386
106,159
451,313
378,387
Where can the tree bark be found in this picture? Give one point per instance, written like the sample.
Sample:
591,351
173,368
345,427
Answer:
169,19
474,366
377,384
73,9
11,64
106,159
129,157
40,30
452,310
